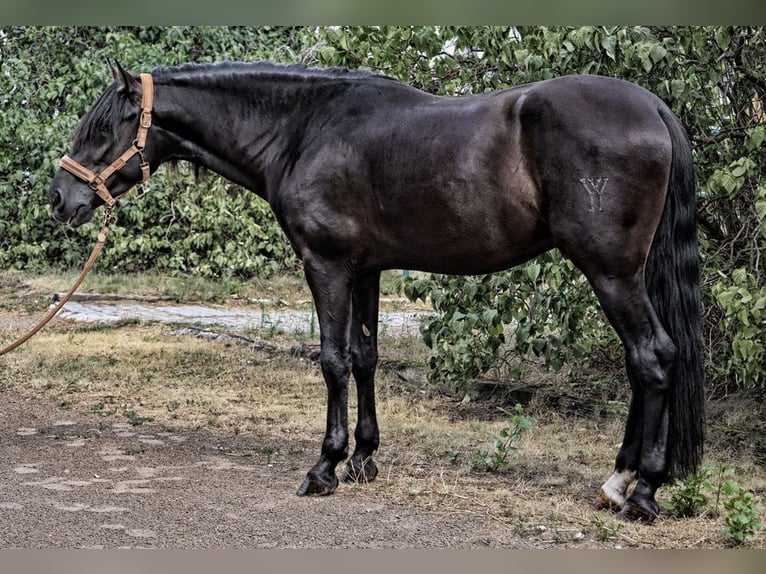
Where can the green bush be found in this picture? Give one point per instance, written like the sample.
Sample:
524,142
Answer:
742,513
544,309
687,497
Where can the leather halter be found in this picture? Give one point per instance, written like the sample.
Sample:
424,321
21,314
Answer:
97,181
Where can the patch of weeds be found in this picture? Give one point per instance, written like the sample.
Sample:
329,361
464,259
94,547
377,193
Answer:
189,288
172,407
496,458
101,409
605,530
101,328
742,513
520,528
268,452
740,505
6,386
135,419
78,386
687,498
215,421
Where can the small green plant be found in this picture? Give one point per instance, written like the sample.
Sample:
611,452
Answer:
687,498
495,459
454,456
605,531
722,472
742,512
268,452
100,408
135,419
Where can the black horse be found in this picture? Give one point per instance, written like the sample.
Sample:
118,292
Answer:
365,173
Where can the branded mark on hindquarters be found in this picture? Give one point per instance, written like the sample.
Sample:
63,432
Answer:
595,187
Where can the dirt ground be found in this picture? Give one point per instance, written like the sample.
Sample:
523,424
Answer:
69,480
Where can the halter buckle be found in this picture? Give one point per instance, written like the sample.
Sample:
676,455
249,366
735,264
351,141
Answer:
146,119
96,182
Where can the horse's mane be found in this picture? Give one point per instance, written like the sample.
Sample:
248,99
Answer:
105,116
261,68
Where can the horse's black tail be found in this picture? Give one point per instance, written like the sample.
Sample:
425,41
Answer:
673,282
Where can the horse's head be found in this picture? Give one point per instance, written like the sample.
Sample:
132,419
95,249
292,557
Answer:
107,154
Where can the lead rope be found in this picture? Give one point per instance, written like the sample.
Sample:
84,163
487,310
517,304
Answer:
88,265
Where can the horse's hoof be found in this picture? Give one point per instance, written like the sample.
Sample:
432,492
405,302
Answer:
365,472
639,511
315,487
603,502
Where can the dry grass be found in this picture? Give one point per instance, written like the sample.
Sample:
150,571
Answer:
136,372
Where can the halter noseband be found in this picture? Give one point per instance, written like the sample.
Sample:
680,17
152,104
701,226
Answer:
97,181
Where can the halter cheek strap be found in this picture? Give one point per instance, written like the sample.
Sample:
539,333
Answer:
97,181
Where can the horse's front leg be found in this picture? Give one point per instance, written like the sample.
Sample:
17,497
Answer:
364,359
330,284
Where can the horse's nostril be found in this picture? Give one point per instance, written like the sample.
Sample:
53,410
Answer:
55,197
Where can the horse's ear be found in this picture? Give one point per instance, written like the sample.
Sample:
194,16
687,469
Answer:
126,82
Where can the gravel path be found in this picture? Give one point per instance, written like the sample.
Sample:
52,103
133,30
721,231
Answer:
390,323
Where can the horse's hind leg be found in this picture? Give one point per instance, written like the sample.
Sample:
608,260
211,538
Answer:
649,355
613,493
364,359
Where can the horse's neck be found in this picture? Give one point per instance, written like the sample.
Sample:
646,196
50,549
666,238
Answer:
220,129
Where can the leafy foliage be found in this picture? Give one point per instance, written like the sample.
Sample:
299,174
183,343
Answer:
544,309
741,513
687,498
496,459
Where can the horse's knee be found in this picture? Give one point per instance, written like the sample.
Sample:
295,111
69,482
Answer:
364,369
336,365
364,358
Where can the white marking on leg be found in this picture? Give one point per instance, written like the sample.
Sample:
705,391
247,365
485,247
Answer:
616,486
